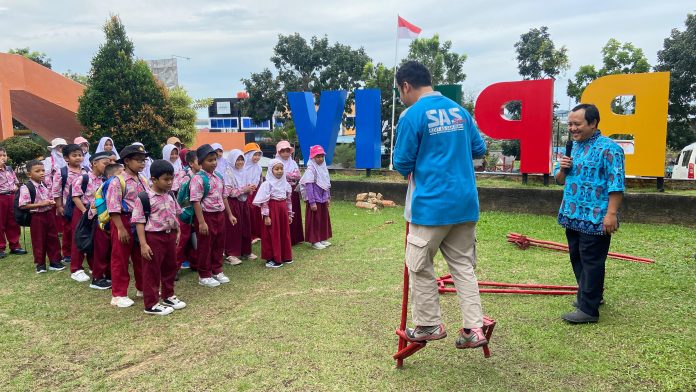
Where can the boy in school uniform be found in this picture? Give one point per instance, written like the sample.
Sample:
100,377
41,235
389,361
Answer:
83,201
62,181
185,256
123,247
210,215
158,234
9,229
44,236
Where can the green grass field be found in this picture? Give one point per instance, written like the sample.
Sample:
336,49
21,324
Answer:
326,322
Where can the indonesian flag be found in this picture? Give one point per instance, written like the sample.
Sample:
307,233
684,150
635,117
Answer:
406,29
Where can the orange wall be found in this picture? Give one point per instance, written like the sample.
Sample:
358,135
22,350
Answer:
229,141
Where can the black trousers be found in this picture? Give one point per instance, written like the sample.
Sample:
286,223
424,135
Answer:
588,254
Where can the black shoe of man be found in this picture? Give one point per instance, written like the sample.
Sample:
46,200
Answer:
579,317
575,303
18,251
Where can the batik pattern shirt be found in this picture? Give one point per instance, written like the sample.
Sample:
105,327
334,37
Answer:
134,185
164,211
598,170
88,196
8,181
57,182
42,194
213,202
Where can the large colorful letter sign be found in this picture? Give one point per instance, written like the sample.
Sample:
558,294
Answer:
648,124
368,129
317,127
534,127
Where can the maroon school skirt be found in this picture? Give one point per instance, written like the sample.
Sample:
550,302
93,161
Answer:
317,223
238,237
296,230
275,239
254,217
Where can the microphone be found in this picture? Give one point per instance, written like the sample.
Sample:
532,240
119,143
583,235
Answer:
569,150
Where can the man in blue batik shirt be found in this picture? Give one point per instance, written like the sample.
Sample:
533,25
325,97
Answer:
594,184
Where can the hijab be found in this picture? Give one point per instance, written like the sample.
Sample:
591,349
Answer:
252,171
273,188
318,174
166,154
102,142
221,162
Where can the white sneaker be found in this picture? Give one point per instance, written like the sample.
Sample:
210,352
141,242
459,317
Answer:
159,310
138,293
208,282
174,303
80,276
232,260
325,243
221,278
121,302
252,256
318,245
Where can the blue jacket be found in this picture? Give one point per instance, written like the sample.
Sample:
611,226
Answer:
436,143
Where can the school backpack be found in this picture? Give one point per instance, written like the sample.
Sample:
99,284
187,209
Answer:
22,216
183,198
84,234
101,211
69,206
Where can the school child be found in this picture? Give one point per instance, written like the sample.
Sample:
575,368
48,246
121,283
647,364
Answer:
221,162
101,262
237,237
284,152
148,162
52,164
210,208
158,234
185,256
9,229
316,186
83,198
175,141
84,145
119,204
44,236
62,181
253,178
273,197
170,153
107,144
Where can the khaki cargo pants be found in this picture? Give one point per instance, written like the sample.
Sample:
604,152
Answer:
458,246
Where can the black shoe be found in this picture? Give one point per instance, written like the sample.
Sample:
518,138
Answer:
575,303
56,266
579,317
3,255
40,268
66,259
18,251
100,284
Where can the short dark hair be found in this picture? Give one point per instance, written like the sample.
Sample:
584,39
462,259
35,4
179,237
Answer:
70,148
415,73
32,163
161,167
109,170
191,156
591,112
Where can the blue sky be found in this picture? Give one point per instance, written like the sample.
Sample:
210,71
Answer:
228,40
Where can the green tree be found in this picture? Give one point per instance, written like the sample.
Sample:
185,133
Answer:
37,57
446,66
537,56
183,123
315,66
617,58
78,77
123,99
678,56
21,150
264,95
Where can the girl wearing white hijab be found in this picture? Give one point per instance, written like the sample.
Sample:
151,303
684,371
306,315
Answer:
252,177
102,146
315,186
170,151
273,197
237,237
221,162
292,172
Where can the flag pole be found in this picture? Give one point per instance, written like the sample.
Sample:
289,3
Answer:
396,53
